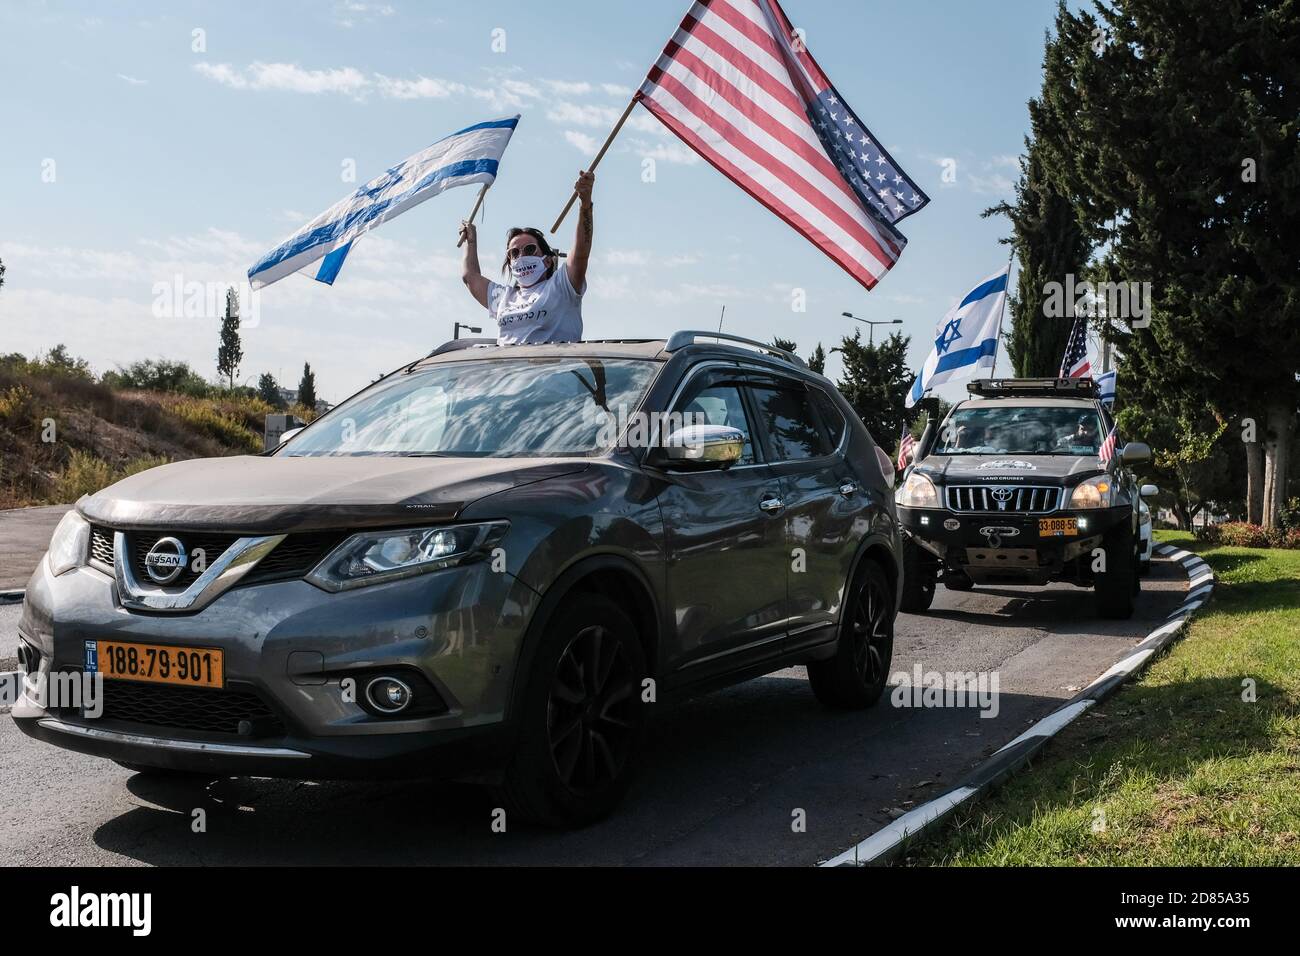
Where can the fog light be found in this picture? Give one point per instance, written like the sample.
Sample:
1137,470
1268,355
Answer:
925,519
1083,524
388,695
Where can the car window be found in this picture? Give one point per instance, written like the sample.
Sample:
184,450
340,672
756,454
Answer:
979,429
832,417
505,408
707,402
786,415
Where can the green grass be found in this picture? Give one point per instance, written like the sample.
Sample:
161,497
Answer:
1176,769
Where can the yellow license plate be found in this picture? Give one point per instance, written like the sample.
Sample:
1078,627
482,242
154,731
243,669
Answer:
160,664
1058,527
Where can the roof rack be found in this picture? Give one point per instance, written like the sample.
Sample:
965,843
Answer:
682,339
455,345
1054,387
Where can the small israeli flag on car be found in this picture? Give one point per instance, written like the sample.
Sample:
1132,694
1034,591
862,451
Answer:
966,338
470,155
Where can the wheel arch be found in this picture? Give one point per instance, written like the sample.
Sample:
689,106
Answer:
607,574
880,549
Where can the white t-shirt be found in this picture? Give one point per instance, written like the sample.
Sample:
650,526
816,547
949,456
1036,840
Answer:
550,311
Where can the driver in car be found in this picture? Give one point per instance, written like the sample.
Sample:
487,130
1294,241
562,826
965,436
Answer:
1084,435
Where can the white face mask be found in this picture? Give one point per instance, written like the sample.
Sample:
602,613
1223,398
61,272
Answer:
528,269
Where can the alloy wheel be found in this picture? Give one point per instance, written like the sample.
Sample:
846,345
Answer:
590,717
871,632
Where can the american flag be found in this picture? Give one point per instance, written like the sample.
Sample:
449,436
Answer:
1107,451
738,85
1075,363
905,446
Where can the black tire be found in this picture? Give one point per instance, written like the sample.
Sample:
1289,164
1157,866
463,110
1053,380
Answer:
957,581
581,730
1116,586
918,579
856,676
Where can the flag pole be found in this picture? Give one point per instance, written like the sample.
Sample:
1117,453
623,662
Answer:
474,212
599,156
1006,297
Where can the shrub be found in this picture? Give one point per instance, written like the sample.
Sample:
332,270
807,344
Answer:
159,375
225,428
1240,534
85,474
17,407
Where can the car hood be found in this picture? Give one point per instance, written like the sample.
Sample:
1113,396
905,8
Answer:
1021,469
281,494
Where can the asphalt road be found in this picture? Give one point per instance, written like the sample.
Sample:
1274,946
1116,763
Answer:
24,536
724,780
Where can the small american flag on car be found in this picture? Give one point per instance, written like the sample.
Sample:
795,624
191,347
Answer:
1107,451
905,446
737,84
1075,363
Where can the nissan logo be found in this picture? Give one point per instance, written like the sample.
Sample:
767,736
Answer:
165,560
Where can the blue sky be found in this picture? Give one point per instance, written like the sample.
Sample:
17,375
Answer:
166,161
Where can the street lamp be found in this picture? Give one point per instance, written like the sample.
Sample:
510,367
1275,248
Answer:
468,328
872,324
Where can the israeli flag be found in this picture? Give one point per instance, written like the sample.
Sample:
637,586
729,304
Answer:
966,338
471,155
1106,386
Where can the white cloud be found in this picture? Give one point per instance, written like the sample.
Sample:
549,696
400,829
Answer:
668,152
287,77
568,88
131,79
587,145
421,88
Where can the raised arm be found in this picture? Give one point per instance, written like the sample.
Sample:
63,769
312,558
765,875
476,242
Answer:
581,252
470,273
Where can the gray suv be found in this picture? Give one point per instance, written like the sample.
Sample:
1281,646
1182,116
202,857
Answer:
487,565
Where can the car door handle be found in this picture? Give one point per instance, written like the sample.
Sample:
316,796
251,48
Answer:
848,489
771,505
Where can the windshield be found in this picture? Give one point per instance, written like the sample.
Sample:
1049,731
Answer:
1021,430
510,408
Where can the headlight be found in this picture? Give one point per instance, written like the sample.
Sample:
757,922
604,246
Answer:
69,545
375,556
917,492
1094,493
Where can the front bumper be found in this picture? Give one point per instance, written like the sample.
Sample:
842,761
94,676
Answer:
302,653
1007,546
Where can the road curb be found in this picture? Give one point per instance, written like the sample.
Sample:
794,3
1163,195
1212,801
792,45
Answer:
886,843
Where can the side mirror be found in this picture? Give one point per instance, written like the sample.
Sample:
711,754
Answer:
289,434
1149,491
1135,452
710,445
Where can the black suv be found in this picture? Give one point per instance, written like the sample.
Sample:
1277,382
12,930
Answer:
486,565
1020,484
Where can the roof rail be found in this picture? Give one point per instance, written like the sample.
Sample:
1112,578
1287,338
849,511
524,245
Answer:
1061,387
456,345
682,339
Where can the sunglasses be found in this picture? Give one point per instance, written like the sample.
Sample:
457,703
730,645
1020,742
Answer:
529,250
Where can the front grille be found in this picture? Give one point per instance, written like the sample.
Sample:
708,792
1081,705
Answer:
295,556
190,708
996,499
292,558
101,545
139,544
